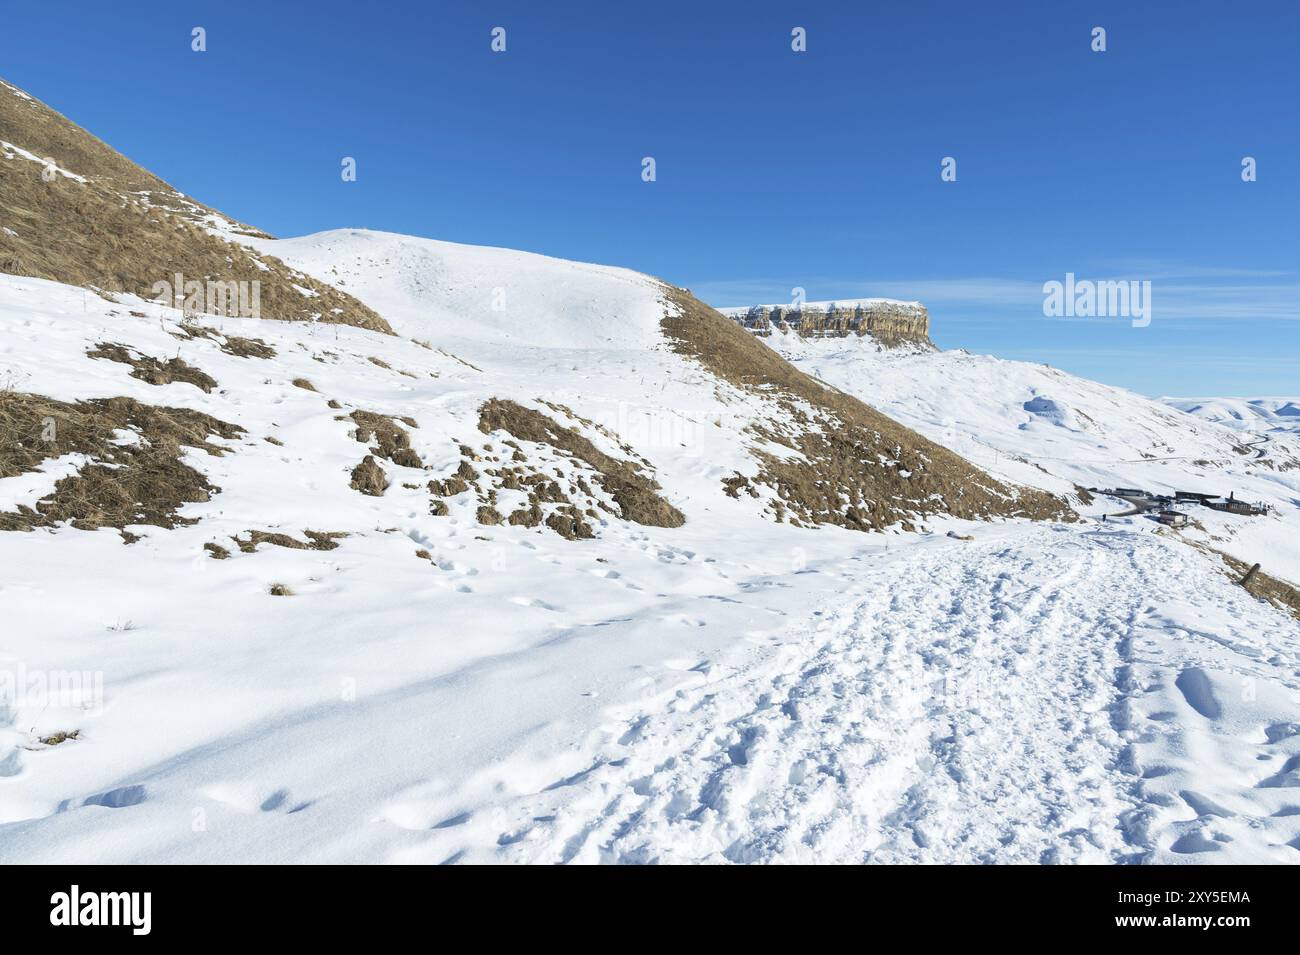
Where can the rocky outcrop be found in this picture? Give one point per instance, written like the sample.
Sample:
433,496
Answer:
890,323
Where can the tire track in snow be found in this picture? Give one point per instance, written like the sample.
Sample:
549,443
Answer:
959,706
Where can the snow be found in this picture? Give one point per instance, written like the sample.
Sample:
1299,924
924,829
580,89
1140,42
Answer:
33,485
1258,416
1028,698
1043,427
9,150
471,295
16,91
732,690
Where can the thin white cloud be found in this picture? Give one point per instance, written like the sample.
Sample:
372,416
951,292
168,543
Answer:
1178,292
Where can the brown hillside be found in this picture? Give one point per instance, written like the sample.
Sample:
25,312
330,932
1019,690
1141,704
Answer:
123,229
855,467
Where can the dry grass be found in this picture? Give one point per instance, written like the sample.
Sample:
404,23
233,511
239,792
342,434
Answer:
105,236
153,370
140,483
568,523
487,514
230,344
316,540
60,737
530,516
369,478
391,441
634,493
854,466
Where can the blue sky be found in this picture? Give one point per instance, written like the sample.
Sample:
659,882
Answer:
774,169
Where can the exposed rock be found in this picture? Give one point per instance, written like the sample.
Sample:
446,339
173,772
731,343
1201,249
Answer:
888,322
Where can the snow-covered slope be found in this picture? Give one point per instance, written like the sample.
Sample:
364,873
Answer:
1260,416
475,294
1044,427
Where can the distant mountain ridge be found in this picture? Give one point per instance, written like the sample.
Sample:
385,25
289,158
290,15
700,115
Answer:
1255,415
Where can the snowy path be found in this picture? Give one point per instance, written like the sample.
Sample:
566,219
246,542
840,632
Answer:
1077,694
979,703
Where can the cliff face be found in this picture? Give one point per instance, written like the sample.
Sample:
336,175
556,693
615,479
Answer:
889,322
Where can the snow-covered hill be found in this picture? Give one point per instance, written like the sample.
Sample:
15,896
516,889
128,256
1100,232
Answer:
1044,427
1259,416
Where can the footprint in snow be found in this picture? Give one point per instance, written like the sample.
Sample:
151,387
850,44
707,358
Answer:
1199,692
1203,805
1287,778
682,619
1194,842
452,821
534,602
119,798
1280,731
689,665
282,801
11,764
